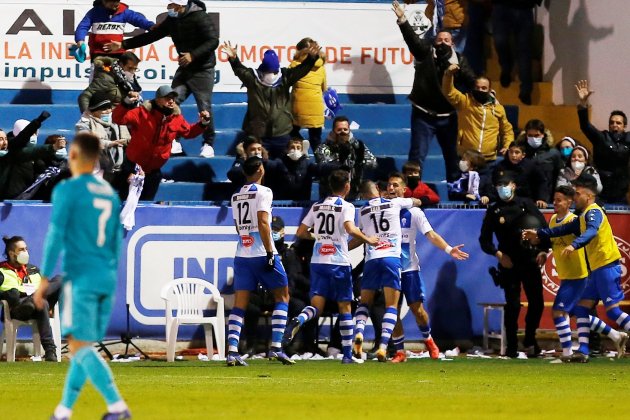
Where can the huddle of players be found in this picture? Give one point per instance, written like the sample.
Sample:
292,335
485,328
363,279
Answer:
387,227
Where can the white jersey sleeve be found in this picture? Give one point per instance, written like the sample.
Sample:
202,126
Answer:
412,221
246,204
328,218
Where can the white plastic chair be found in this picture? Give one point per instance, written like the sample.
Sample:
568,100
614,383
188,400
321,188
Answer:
11,326
189,297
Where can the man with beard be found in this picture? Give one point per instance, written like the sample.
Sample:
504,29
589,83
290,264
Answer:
153,127
611,148
431,113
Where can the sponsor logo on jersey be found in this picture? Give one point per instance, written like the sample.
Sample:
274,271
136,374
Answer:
247,241
327,249
384,245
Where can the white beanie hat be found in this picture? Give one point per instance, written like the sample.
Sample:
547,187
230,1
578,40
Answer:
19,126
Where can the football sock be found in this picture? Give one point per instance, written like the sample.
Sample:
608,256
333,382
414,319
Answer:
307,314
278,324
399,342
99,373
603,328
235,323
346,328
563,327
425,330
362,316
583,327
389,321
621,318
75,379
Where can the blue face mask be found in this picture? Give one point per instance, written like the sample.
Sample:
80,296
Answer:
33,140
106,118
505,192
172,13
566,152
275,236
3,152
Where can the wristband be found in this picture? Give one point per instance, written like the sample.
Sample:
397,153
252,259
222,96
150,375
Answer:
448,249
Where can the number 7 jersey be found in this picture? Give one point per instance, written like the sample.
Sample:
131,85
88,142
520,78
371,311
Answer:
246,203
327,218
380,217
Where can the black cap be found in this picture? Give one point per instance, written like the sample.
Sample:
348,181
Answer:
277,223
503,177
99,101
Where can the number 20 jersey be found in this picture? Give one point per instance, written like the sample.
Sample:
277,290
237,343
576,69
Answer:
381,217
327,218
246,203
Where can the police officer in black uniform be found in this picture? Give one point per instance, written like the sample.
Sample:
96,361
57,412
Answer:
519,262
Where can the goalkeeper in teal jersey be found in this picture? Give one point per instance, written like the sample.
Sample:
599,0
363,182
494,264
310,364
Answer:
85,229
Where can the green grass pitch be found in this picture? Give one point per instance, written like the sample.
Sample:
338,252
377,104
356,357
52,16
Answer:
326,389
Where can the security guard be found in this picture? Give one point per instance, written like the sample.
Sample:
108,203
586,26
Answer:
18,281
519,262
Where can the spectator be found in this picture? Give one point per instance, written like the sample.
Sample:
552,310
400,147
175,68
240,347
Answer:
17,169
539,148
611,148
565,147
268,114
580,163
451,16
467,186
274,177
298,171
196,40
18,282
529,178
24,132
483,124
431,114
49,171
343,151
106,21
153,126
515,18
113,137
307,95
415,187
115,78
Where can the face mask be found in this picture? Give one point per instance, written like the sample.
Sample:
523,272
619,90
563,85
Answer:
578,166
464,166
106,118
275,236
535,142
269,79
257,154
33,140
129,75
505,192
61,153
22,257
481,97
172,13
3,152
294,154
443,51
412,182
566,152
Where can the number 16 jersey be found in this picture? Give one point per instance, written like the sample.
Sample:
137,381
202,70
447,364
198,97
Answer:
327,218
380,217
246,203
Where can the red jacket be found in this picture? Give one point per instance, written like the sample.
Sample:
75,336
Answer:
424,193
152,133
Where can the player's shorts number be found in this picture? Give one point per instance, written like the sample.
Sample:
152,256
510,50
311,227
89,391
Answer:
382,225
327,224
105,206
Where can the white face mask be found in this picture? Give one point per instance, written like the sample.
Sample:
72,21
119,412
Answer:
22,257
3,152
129,75
464,166
577,166
106,118
257,154
61,153
33,140
535,142
270,78
294,154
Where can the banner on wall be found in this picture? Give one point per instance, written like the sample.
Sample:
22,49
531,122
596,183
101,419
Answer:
364,48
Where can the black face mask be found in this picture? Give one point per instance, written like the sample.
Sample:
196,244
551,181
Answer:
443,51
412,182
481,97
164,110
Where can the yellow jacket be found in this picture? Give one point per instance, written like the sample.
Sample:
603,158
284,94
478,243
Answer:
454,13
307,96
484,128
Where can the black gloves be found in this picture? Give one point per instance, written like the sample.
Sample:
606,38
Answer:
270,263
43,116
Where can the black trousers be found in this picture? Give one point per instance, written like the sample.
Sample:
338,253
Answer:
528,275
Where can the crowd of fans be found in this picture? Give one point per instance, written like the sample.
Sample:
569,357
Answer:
450,101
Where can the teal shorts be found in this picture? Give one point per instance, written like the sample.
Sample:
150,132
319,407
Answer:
85,313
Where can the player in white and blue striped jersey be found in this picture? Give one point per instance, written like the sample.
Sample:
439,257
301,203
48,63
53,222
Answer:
256,262
413,221
380,217
331,221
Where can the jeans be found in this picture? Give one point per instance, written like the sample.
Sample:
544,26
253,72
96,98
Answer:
508,21
200,83
424,128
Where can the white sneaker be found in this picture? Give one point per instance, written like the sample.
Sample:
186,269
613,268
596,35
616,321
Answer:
176,148
207,151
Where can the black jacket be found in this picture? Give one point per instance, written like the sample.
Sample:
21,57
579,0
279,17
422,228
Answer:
298,179
427,81
611,156
549,161
506,220
529,179
192,32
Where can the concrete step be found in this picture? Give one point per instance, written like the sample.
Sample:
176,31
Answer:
561,120
542,93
